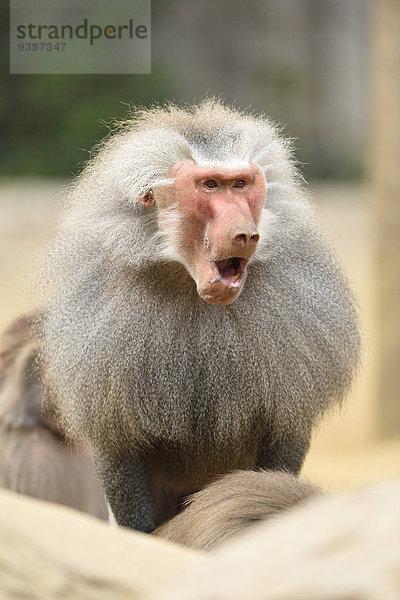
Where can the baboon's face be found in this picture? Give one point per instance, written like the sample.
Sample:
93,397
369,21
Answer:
209,217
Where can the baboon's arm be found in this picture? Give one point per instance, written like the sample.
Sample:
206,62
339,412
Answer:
125,483
283,455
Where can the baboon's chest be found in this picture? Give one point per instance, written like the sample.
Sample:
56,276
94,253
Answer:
195,385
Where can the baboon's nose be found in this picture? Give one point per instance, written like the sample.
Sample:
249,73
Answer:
246,236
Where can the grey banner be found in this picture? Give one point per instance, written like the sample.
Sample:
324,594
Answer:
71,36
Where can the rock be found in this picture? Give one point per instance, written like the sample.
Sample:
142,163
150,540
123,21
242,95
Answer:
345,547
49,551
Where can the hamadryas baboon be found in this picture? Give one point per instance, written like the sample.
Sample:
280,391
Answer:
198,320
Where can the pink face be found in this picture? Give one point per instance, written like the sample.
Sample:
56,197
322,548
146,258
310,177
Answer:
210,217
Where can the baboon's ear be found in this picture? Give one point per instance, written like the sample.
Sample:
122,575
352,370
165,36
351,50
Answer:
148,199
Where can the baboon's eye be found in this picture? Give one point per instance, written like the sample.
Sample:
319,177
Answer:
240,183
210,184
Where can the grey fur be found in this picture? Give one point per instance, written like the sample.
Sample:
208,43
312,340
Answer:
146,371
230,505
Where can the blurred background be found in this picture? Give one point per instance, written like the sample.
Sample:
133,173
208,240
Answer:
329,71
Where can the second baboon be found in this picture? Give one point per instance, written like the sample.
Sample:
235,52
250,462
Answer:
35,458
232,504
198,320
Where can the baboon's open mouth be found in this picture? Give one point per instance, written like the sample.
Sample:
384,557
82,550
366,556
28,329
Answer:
232,270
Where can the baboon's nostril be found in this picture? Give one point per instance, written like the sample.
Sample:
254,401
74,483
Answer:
241,238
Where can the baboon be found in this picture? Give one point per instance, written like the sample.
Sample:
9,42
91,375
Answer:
198,321
230,505
34,456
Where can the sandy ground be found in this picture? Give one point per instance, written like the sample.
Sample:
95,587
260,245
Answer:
345,452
